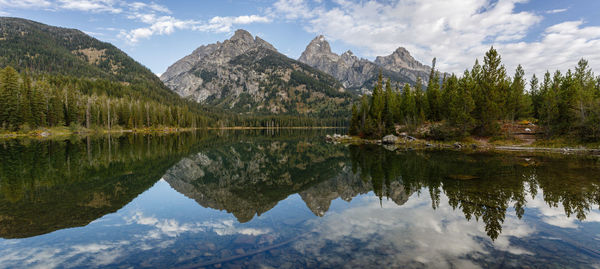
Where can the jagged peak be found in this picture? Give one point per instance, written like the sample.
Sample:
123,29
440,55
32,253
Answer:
401,50
349,52
242,35
321,38
320,41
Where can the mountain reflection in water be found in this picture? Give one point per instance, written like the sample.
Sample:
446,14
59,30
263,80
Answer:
367,206
246,179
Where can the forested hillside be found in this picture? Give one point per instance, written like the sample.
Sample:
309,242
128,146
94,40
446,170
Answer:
481,100
55,76
42,49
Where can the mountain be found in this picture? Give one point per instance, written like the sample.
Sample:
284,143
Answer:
361,74
250,177
247,74
42,49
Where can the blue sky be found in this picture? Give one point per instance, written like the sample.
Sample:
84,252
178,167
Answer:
539,34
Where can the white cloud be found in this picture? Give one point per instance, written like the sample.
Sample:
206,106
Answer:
555,214
24,3
410,234
292,9
455,31
158,19
554,11
157,26
165,25
90,5
225,24
151,6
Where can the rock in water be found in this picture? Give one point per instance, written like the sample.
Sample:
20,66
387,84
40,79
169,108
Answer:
389,139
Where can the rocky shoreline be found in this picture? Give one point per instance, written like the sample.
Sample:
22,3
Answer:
406,142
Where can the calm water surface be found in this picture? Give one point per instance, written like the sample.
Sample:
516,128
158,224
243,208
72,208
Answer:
288,200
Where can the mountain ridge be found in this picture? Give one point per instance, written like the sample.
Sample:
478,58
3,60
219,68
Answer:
361,74
247,74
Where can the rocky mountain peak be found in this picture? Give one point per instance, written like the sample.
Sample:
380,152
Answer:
349,57
317,48
236,73
401,51
359,74
400,59
242,35
349,53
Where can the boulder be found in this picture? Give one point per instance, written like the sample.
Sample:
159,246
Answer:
390,147
389,139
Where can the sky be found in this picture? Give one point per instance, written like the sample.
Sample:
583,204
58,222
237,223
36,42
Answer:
538,34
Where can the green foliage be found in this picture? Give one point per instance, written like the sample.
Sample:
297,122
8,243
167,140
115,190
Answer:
205,75
50,101
42,49
460,103
10,93
478,101
434,97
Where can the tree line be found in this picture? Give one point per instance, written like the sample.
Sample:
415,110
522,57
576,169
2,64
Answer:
50,101
31,102
480,100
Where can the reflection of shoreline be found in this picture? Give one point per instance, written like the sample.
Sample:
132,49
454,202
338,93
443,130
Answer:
52,185
249,179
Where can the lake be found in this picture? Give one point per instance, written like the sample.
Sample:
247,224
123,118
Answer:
287,199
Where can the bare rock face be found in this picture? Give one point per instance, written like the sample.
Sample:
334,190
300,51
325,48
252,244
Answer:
247,74
361,74
347,68
192,75
401,60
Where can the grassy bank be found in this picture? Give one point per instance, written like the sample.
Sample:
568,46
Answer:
67,131
555,146
58,132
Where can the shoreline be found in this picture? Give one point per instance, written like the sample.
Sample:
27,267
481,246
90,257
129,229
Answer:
49,133
412,143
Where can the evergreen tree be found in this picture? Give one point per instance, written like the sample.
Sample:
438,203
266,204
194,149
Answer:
515,102
421,103
25,97
586,102
354,121
377,107
488,98
55,113
433,93
409,105
9,82
390,103
39,104
549,107
461,104
535,96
